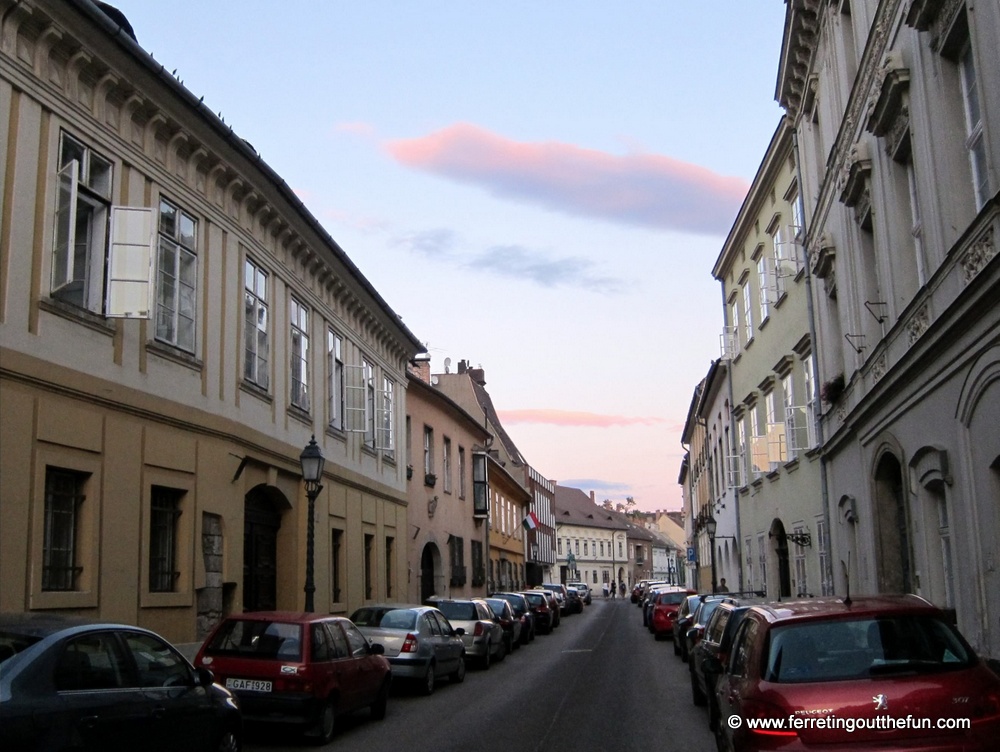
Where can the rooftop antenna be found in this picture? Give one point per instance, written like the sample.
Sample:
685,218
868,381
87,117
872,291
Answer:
447,365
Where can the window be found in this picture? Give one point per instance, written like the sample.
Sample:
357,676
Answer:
164,513
764,285
559,545
619,548
386,424
176,277
446,465
749,564
369,574
369,380
576,547
585,552
944,535
299,355
461,472
974,142
83,205
480,489
456,550
762,561
337,564
335,365
602,548
63,497
478,572
256,344
747,313
735,326
823,556
428,450
801,573
389,552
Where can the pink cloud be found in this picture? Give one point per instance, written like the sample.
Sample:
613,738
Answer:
640,189
572,418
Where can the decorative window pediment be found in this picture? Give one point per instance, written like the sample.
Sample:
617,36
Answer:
889,112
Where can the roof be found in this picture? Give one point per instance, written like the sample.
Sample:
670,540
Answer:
865,605
573,507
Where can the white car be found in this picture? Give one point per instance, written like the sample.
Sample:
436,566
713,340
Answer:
583,589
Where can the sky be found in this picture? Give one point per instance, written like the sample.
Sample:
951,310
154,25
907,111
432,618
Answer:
537,188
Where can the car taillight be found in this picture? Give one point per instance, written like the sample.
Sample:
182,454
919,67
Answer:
987,708
479,629
409,644
760,710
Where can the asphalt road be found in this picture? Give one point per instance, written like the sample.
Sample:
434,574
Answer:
599,682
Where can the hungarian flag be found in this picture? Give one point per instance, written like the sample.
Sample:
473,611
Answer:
530,522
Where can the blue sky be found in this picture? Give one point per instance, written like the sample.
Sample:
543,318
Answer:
539,188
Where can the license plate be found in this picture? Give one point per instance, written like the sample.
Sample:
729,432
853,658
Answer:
249,685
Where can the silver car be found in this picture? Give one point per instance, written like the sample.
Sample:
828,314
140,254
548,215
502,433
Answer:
420,643
483,633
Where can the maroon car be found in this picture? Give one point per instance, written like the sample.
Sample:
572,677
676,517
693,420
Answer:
879,672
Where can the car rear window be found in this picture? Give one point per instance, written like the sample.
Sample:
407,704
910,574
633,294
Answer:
535,600
671,599
459,611
12,643
398,618
370,616
258,639
862,648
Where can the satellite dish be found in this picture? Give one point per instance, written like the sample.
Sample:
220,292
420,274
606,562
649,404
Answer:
447,365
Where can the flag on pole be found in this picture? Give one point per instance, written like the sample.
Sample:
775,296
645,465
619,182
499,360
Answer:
530,522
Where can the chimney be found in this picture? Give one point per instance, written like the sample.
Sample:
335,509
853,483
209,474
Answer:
463,366
593,499
478,375
422,367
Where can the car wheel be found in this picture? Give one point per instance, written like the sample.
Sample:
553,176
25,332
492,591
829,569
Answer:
721,743
697,696
677,648
486,660
427,688
381,703
459,676
229,742
326,725
502,649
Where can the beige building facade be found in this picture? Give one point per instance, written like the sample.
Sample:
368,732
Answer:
896,110
174,327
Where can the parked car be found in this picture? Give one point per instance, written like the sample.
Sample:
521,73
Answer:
299,668
584,589
419,642
483,635
648,601
663,609
540,608
554,604
716,643
860,662
574,603
522,610
511,624
562,597
683,620
699,620
69,683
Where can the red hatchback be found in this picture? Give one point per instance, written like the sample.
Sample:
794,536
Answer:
880,672
664,611
298,668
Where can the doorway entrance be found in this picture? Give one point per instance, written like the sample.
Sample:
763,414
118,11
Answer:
260,552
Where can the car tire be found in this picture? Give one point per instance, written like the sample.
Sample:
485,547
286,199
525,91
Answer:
427,686
459,675
381,704
502,649
229,742
326,725
677,649
697,696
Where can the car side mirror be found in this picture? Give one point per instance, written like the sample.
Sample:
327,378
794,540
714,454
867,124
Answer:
692,634
377,648
205,677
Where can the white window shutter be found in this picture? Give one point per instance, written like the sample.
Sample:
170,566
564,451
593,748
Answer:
729,342
130,263
355,408
777,449
65,229
383,422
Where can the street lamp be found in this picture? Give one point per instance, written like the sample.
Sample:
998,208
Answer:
710,526
312,461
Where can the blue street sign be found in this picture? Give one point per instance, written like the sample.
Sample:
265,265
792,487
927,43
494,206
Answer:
691,558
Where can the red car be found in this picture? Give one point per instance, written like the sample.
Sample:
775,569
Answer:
664,611
300,668
879,672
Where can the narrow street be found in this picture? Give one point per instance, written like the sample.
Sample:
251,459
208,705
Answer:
599,682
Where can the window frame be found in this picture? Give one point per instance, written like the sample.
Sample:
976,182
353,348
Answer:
256,307
185,259
298,354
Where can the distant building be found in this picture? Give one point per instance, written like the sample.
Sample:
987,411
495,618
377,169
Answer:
592,542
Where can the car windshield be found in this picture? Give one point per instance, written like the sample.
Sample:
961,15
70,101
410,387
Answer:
860,648
704,611
458,611
257,638
671,599
12,643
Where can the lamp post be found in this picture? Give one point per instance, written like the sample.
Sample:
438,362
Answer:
710,526
312,461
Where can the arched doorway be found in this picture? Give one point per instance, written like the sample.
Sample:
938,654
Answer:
779,551
261,521
430,566
892,548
